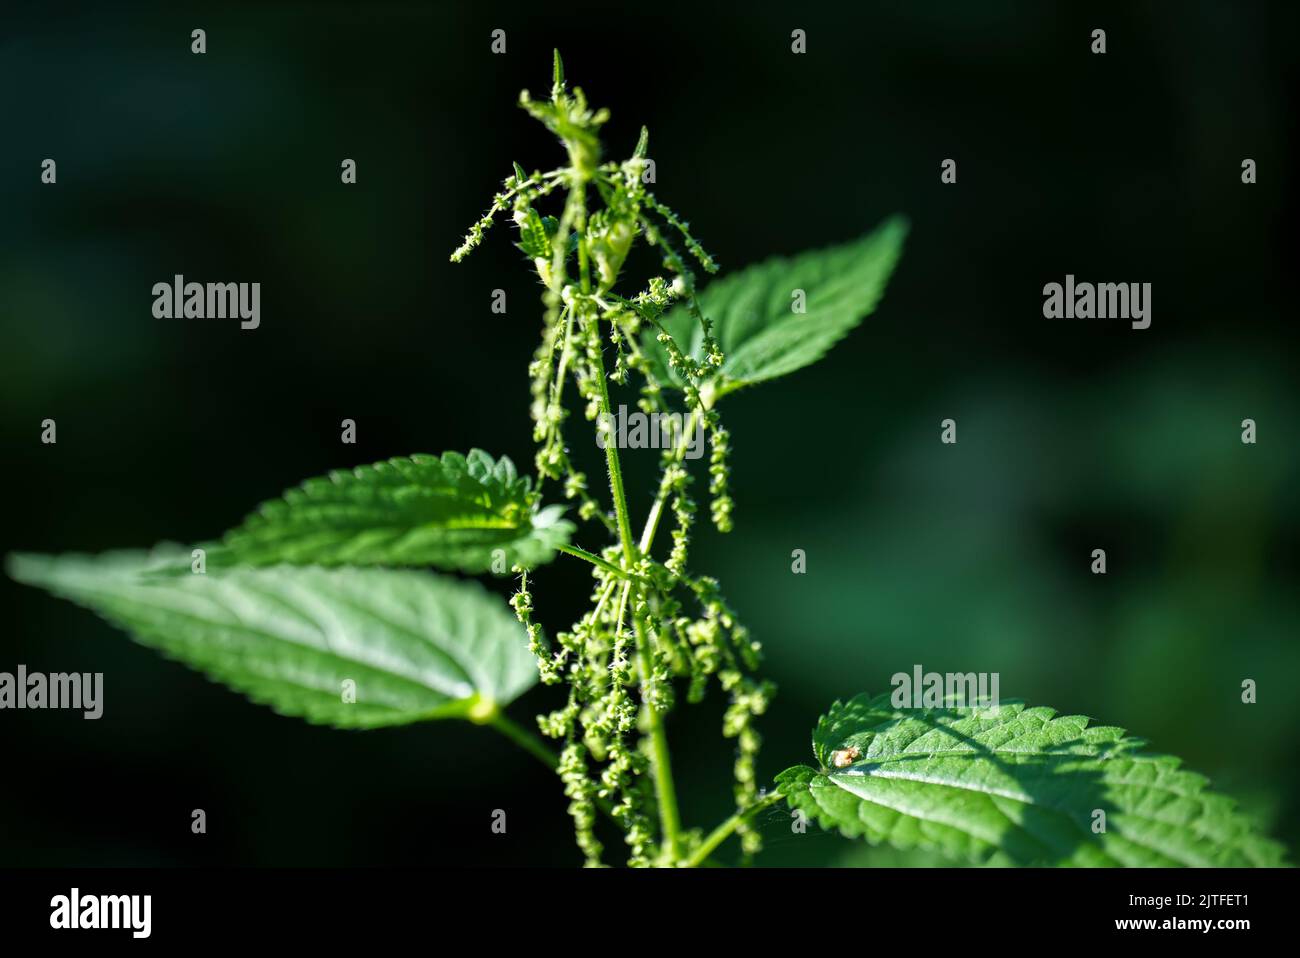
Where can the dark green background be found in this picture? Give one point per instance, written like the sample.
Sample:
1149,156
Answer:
1074,435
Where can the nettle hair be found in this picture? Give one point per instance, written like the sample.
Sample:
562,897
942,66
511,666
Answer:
650,622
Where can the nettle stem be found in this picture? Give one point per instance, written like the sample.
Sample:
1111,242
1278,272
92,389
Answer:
528,741
724,831
665,791
580,553
621,517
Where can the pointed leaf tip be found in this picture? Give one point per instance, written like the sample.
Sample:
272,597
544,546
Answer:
558,80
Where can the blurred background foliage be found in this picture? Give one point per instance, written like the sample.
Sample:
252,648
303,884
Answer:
1073,435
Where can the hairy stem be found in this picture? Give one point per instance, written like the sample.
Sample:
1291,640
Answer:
580,553
723,831
665,790
616,475
669,821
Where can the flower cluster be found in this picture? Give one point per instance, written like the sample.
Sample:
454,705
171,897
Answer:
650,623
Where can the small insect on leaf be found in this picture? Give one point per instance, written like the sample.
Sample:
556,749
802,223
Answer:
845,756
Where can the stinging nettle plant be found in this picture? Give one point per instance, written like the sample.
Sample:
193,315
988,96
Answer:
305,607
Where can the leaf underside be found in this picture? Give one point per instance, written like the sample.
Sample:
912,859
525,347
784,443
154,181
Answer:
753,315
453,512
1015,786
415,645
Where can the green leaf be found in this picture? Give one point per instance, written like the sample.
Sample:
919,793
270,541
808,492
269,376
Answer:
557,73
1014,785
453,513
753,315
416,645
533,236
